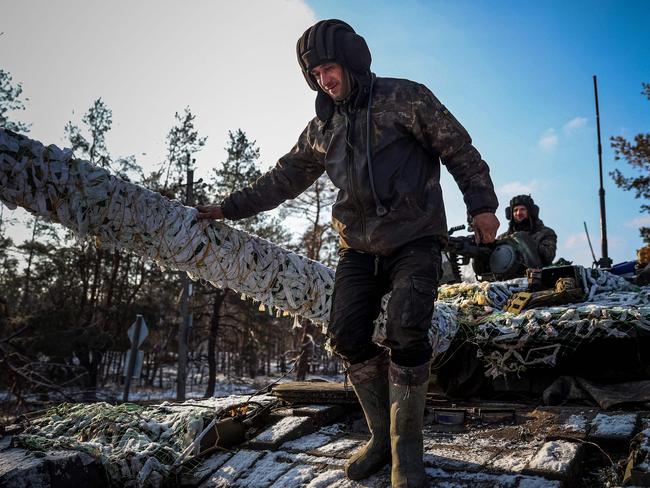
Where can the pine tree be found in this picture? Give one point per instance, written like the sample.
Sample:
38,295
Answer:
318,242
97,310
637,155
183,141
10,101
241,168
98,120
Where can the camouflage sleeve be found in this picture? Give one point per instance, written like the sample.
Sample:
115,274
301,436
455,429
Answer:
441,134
546,244
293,174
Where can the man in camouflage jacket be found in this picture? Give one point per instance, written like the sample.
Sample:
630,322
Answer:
523,216
381,141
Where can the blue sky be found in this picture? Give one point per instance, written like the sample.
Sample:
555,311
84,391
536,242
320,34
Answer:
518,75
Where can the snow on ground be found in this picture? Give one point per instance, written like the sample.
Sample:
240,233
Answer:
295,477
575,423
210,465
328,479
609,425
463,478
314,409
534,482
307,442
232,468
339,447
264,473
334,429
113,392
515,461
280,430
216,403
308,458
457,457
555,456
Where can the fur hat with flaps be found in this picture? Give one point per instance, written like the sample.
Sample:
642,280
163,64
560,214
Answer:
525,200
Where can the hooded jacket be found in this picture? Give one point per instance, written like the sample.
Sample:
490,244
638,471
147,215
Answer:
544,236
411,133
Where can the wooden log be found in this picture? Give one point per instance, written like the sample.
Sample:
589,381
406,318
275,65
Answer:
303,392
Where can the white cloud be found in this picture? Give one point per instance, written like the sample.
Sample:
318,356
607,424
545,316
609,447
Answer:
574,124
643,220
233,63
548,140
512,188
575,241
575,248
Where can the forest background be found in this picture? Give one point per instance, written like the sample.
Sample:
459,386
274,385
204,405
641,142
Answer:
152,91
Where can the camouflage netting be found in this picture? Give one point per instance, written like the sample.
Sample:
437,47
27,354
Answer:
509,342
138,446
51,183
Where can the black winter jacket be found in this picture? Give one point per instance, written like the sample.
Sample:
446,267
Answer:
411,133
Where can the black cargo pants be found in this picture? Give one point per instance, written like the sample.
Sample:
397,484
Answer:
411,275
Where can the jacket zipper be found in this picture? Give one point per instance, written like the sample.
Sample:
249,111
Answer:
352,173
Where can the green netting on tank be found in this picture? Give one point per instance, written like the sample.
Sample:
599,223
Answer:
137,445
513,343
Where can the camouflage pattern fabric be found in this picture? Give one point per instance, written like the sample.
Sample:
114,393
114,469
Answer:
411,133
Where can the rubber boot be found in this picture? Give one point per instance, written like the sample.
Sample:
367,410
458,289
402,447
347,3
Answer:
408,391
370,382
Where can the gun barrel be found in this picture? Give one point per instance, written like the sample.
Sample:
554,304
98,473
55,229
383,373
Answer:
466,246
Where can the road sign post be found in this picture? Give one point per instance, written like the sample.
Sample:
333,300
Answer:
137,334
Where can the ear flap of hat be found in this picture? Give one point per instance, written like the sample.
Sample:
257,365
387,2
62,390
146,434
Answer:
324,106
308,57
355,52
509,213
534,211
310,81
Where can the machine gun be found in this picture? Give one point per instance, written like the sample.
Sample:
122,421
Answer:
502,260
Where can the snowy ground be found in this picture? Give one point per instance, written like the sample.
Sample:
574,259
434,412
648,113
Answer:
541,447
114,393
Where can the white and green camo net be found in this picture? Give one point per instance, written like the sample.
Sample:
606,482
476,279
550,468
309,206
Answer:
540,337
51,183
138,446
143,444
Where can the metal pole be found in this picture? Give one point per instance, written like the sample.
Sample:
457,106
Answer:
593,255
605,261
133,354
182,347
184,328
